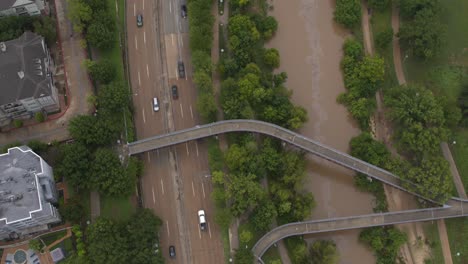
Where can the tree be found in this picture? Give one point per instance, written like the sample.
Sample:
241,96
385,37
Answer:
106,242
206,105
46,27
79,13
75,165
348,12
101,30
353,48
243,256
244,192
431,179
423,35
271,58
12,27
370,73
113,98
385,241
36,245
263,215
18,123
102,71
73,210
409,8
93,131
267,26
364,147
203,81
384,38
245,236
109,176
202,62
323,252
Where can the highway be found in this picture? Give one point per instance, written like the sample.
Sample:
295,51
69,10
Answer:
174,184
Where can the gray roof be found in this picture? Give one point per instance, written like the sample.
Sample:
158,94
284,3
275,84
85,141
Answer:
6,4
19,195
27,55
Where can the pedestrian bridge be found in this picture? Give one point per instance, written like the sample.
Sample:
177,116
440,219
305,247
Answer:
454,208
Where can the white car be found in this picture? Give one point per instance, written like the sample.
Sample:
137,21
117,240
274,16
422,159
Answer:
202,219
155,104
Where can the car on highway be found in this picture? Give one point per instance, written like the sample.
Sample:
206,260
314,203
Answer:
139,19
172,252
175,92
155,104
183,10
181,69
202,219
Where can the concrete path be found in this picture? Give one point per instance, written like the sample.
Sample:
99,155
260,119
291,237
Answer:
95,205
453,169
396,46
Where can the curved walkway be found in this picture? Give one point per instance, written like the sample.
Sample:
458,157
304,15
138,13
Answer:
286,135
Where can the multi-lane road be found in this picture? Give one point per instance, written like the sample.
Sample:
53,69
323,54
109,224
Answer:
176,181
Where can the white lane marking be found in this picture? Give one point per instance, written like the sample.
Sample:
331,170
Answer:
136,43
203,189
134,9
139,79
181,111
177,74
157,151
181,42
167,225
149,159
162,186
144,36
199,232
172,37
144,119
143,4
154,198
170,6
186,147
209,230
196,147
147,70
191,111
193,190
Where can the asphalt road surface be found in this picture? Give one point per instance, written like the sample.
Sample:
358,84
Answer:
176,182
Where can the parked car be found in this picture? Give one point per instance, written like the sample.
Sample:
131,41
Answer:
172,252
183,10
139,20
202,219
181,69
175,93
155,104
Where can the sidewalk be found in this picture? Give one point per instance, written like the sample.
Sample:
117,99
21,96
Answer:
78,84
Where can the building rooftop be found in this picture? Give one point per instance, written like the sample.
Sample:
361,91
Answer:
6,4
19,196
23,68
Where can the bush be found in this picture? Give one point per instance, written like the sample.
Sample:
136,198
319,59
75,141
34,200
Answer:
348,12
39,116
384,38
18,123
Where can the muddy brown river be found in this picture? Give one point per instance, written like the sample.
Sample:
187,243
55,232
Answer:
310,44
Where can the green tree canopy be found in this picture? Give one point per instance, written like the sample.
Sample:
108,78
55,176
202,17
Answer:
263,215
348,12
386,241
93,131
323,252
113,98
101,31
109,176
102,71
271,58
75,165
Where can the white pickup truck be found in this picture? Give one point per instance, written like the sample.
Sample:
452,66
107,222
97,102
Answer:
202,219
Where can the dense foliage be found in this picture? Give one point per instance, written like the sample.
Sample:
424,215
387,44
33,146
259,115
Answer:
385,241
348,12
127,242
323,252
12,27
362,76
102,71
423,33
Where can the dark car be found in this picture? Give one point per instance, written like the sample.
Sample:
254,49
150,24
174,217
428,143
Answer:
181,68
140,20
172,251
175,93
183,10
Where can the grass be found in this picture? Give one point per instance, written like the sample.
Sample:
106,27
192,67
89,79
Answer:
432,236
117,208
226,244
380,22
460,154
51,238
66,244
272,254
457,229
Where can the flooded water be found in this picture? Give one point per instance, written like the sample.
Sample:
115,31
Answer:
310,44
